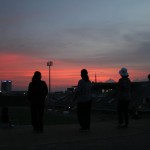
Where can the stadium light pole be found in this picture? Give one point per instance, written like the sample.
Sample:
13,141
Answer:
49,64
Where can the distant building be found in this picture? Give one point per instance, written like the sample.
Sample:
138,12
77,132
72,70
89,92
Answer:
6,86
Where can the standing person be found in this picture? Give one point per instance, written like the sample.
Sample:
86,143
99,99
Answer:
124,97
37,91
5,118
83,97
148,77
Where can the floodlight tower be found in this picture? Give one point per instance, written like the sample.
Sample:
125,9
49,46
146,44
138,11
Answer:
49,64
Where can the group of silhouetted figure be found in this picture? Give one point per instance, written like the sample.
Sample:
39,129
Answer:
38,91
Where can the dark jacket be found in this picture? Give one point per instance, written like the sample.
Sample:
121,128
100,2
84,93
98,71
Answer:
37,92
124,89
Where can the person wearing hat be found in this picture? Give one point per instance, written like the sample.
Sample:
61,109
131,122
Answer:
83,97
124,97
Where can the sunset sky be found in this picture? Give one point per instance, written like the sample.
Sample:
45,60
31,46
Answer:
99,35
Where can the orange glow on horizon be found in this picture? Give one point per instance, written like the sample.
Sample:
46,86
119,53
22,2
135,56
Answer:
20,69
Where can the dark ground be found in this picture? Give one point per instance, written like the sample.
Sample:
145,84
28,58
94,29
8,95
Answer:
104,135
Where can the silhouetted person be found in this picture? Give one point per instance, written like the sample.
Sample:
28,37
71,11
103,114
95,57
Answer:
147,94
148,77
37,92
83,97
5,118
4,115
124,97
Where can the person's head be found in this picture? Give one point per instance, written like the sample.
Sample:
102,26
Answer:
37,76
124,72
84,75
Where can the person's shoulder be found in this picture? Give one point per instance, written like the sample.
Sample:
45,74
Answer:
120,79
89,82
128,79
43,82
80,81
30,84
